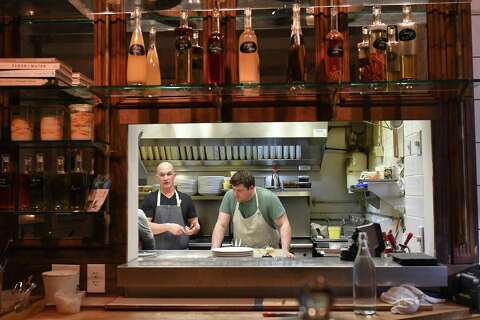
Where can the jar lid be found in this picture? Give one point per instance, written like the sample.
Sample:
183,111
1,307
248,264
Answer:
81,107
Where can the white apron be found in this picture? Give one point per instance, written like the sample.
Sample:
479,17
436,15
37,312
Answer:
254,231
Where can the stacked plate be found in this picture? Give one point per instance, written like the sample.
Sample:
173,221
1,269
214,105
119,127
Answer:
186,185
232,252
210,185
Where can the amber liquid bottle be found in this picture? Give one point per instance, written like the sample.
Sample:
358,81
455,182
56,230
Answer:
153,63
334,57
23,200
393,55
78,185
216,52
363,49
378,47
296,71
137,56
7,185
248,59
407,36
197,60
183,51
58,186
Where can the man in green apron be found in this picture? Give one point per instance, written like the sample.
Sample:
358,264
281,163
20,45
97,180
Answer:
171,213
259,218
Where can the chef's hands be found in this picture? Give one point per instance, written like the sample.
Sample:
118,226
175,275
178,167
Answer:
179,230
176,229
288,254
191,230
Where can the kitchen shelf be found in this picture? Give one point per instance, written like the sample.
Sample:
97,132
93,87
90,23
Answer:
51,94
282,194
70,144
56,213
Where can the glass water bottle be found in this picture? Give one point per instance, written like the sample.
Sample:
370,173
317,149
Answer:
364,280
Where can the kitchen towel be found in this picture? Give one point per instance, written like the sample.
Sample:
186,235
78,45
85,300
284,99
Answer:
407,299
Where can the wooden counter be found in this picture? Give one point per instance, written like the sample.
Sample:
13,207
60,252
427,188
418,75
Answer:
440,312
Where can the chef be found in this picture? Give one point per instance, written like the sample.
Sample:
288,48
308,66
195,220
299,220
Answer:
259,218
171,213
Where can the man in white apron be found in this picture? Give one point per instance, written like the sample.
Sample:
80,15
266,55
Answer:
259,218
171,213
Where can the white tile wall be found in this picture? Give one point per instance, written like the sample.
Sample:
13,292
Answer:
414,206
414,185
477,120
477,145
412,224
413,165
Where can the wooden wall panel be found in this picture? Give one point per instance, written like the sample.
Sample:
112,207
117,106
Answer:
453,139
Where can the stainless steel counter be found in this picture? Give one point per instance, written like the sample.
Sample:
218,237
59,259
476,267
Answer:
195,273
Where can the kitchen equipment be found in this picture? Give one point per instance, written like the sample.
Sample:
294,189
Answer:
413,259
356,163
466,287
334,232
375,243
210,185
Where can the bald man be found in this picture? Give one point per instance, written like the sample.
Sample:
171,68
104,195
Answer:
172,215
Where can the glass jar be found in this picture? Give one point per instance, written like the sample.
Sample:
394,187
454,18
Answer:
81,122
51,123
22,124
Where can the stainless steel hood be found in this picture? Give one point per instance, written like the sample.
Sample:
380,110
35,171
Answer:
262,130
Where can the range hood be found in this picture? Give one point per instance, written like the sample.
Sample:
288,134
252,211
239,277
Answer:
263,130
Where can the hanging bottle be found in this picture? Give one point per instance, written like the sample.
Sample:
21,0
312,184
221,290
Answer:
364,279
197,60
154,77
216,55
248,59
378,46
183,50
78,185
363,49
334,57
37,185
137,56
58,186
393,55
7,185
23,200
296,52
407,36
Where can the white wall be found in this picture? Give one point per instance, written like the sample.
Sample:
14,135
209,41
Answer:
476,74
418,175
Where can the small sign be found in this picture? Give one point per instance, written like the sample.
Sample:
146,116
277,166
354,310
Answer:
320,133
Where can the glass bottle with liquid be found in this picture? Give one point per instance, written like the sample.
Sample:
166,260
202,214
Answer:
216,52
407,36
334,57
154,77
363,49
37,185
248,59
78,185
137,56
25,176
378,47
296,71
197,60
7,185
364,279
393,55
58,186
183,51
